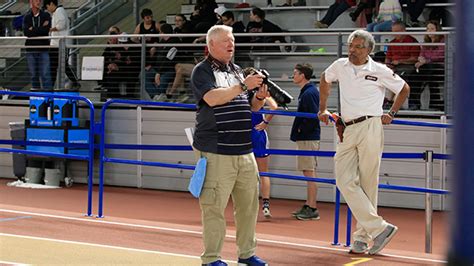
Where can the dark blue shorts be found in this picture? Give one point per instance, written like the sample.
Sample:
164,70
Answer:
259,143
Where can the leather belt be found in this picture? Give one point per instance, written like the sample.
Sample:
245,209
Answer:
357,120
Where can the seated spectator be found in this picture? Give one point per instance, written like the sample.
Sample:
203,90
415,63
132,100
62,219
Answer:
121,66
334,11
389,12
183,26
366,6
147,26
228,19
203,16
166,61
414,9
258,24
430,65
402,59
112,63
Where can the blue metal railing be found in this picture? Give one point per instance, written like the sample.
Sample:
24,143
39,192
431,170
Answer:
89,158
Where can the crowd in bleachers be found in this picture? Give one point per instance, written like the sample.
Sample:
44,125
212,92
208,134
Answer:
167,66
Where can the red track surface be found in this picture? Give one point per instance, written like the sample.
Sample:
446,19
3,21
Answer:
170,222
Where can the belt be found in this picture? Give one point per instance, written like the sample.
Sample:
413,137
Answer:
357,120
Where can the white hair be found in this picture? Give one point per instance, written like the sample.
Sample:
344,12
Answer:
369,40
216,30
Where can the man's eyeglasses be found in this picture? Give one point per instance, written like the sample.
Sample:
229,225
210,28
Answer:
113,33
358,46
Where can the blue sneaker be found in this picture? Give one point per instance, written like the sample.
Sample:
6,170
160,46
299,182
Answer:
252,261
215,263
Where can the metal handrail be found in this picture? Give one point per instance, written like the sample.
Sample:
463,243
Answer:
7,5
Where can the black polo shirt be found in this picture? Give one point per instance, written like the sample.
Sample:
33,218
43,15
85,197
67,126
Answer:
223,129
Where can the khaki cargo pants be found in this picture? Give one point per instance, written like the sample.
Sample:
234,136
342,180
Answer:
236,176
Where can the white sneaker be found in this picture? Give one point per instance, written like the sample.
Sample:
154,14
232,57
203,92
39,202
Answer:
266,212
182,99
160,98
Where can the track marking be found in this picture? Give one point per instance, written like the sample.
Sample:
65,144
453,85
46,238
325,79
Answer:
100,245
200,233
357,261
12,263
15,218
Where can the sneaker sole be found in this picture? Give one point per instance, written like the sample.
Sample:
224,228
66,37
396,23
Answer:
307,219
358,253
245,264
385,242
355,252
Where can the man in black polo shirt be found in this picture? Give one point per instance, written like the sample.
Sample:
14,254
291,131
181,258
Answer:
223,135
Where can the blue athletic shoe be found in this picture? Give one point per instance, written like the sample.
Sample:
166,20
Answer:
215,263
252,261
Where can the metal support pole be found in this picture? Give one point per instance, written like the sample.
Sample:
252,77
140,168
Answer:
428,201
142,67
61,64
139,151
336,218
349,227
136,12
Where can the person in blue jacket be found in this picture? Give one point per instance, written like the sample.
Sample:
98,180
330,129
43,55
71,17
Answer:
306,133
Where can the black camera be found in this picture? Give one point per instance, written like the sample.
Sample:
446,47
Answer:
281,97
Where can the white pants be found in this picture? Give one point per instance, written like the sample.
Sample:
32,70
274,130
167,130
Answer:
357,164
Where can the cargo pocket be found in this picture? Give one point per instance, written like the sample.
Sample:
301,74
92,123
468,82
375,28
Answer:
208,193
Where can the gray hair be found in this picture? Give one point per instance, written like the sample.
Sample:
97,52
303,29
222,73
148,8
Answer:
367,36
216,30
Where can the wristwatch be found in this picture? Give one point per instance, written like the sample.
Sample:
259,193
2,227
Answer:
244,87
392,113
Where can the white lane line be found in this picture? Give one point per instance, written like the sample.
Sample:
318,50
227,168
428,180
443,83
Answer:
200,233
101,246
13,263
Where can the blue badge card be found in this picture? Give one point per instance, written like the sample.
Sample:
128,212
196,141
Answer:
197,180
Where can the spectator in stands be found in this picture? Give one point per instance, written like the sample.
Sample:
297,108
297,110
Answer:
306,133
36,23
401,60
203,16
131,65
366,6
228,19
147,26
186,61
167,58
334,11
258,24
430,65
59,27
222,136
389,11
415,9
112,63
260,143
183,26
358,153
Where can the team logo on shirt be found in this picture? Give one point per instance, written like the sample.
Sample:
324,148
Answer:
369,77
